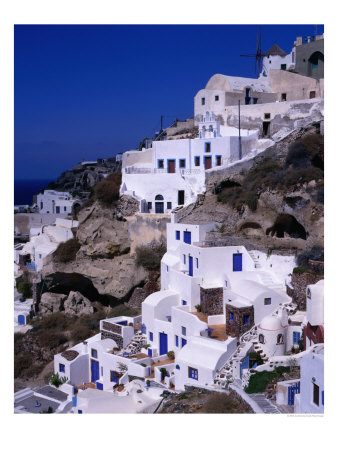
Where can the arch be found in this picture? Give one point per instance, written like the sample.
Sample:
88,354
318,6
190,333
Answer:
159,197
280,339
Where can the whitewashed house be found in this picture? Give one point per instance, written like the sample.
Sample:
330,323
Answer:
172,172
314,330
54,202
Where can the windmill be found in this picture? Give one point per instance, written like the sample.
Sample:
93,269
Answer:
258,55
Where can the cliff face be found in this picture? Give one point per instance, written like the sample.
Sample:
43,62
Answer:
103,269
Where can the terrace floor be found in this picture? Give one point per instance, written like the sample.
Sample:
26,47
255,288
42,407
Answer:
86,386
160,363
138,356
219,331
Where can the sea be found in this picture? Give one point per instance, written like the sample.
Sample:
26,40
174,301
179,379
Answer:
25,189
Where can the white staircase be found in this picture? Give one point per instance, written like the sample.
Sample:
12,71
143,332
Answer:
136,344
255,258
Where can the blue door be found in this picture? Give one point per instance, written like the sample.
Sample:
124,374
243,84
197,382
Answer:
191,266
21,319
183,342
237,262
95,370
159,207
163,343
187,237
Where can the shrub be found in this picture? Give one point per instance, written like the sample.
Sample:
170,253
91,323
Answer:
56,380
149,256
67,251
80,333
259,380
18,337
171,354
47,411
25,288
51,339
223,404
251,200
107,191
302,175
21,363
56,321
298,155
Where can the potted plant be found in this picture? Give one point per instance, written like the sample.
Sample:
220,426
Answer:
164,373
171,354
198,308
148,383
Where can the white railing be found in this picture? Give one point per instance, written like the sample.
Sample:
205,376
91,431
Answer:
146,170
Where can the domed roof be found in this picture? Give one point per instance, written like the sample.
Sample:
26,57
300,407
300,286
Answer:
271,323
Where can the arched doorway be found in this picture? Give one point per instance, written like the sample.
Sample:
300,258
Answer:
316,65
159,204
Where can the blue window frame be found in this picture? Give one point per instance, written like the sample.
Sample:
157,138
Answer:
193,373
160,163
184,302
187,237
296,337
231,317
182,163
151,336
197,263
184,259
246,319
184,331
94,353
101,371
178,235
176,341
169,205
183,342
197,160
207,147
62,368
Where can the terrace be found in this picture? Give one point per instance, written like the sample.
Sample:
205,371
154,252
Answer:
217,331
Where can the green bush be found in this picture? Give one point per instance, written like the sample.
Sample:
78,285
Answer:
21,363
80,333
56,380
51,339
259,380
67,251
25,288
107,191
223,404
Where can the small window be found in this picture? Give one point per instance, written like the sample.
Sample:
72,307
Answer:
176,341
267,116
247,92
101,371
283,97
65,208
182,163
232,317
218,160
312,94
184,302
283,67
169,206
183,342
267,301
193,373
184,259
216,98
197,161
246,319
261,339
178,235
255,100
41,205
203,100
315,394
197,263
167,268
57,209
207,147
296,337
280,339
94,353
184,331
151,336
62,368
309,293
202,298
160,163
149,206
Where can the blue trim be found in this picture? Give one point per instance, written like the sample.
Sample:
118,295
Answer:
187,237
193,373
183,342
158,163
197,263
168,160
184,259
184,331
296,337
151,336
323,398
169,205
205,147
237,262
94,353
99,386
218,156
191,267
179,164
184,302
62,368
246,319
176,341
199,161
150,352
178,235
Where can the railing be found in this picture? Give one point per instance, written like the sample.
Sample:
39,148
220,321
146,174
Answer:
31,266
146,170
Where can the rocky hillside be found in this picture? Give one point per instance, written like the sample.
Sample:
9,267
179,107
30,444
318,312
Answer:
274,200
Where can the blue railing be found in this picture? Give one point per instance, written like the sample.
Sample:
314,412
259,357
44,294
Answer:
31,266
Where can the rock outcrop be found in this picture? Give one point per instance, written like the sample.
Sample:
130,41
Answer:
77,305
51,302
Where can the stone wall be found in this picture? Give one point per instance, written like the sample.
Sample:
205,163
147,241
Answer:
212,301
112,327
236,327
299,282
115,337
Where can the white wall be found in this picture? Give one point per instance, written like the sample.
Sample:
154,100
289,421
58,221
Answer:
311,372
315,303
52,199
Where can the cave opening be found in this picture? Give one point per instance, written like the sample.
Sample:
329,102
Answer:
285,223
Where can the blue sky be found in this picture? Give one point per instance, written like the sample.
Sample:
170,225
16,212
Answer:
83,91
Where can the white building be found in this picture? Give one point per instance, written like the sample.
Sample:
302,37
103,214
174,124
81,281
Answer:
172,172
276,58
310,400
54,202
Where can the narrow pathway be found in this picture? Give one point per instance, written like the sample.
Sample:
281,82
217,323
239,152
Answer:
266,405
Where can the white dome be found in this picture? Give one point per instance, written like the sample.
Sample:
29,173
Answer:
271,323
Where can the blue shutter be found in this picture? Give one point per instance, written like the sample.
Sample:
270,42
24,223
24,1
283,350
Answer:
183,342
237,262
187,237
178,237
323,398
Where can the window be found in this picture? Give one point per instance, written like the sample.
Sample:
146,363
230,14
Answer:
283,67
65,208
203,100
283,97
247,92
114,378
180,198
232,317
182,164
312,94
176,341
57,210
169,205
62,368
160,163
261,339
184,259
246,319
267,301
184,331
193,373
183,342
218,160
197,263
167,268
309,293
197,161
216,98
202,298
178,235
94,353
255,100
40,256
280,339
149,206
41,205
315,394
207,147
101,371
267,116
296,337
184,302
151,336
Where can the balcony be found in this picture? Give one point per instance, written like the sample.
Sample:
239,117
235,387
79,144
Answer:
149,170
